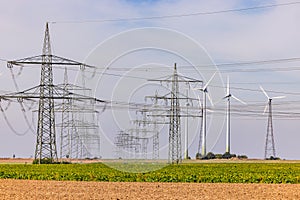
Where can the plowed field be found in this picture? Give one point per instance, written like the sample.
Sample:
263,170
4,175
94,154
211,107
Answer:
25,189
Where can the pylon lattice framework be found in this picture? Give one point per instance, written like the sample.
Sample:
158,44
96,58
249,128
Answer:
46,141
270,143
174,113
46,92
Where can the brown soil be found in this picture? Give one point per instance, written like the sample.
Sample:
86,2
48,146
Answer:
25,189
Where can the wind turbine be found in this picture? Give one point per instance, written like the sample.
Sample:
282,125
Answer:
270,144
205,93
228,97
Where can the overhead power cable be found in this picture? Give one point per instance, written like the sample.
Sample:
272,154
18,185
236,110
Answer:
177,15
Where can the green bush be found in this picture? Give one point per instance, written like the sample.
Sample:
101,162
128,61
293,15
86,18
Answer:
43,161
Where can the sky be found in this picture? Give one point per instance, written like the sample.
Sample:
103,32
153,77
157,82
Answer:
79,28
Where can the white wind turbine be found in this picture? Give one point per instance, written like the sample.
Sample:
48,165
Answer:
205,93
270,144
228,97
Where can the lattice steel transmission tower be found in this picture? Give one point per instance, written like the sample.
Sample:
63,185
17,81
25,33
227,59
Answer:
46,92
155,153
174,112
147,128
174,128
125,144
66,132
46,141
270,144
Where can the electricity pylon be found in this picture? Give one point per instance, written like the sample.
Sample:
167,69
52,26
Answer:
174,113
46,92
72,142
174,128
46,141
270,143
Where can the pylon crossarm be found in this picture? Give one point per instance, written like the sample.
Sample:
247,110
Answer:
58,93
40,60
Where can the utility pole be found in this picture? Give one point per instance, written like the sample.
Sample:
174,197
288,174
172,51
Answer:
186,138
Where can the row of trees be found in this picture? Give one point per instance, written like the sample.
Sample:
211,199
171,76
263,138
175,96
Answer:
226,155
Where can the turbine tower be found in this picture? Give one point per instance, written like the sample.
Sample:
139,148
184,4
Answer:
228,97
205,93
186,136
270,144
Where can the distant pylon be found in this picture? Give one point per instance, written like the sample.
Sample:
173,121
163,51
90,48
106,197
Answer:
46,141
270,144
66,125
155,152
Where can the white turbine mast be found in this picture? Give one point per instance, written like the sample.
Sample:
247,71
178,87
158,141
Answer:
228,96
205,94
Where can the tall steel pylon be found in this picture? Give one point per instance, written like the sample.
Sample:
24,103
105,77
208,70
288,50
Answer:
46,141
174,112
155,153
174,128
65,137
270,144
46,92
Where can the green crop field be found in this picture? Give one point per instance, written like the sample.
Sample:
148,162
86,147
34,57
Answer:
197,172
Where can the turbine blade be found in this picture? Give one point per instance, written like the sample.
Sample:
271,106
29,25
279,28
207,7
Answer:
279,97
216,103
210,100
208,82
238,99
200,103
228,89
262,89
225,97
210,111
201,89
265,110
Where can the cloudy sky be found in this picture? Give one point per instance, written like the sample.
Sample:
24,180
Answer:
78,27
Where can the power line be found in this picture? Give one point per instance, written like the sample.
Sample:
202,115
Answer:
177,15
227,65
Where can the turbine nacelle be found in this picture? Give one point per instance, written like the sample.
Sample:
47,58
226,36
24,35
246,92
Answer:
269,98
204,89
229,95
